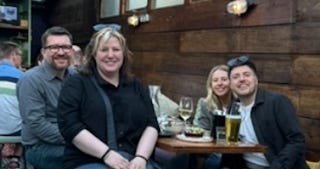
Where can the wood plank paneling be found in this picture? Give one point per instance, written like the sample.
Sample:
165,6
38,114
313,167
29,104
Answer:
306,38
77,16
312,134
305,70
271,39
175,84
166,42
273,68
309,103
303,38
308,11
187,63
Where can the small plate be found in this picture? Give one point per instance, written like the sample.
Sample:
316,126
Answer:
202,139
166,134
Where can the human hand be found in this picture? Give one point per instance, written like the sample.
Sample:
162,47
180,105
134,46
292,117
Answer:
116,161
138,163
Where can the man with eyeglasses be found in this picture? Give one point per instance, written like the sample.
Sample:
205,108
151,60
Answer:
267,118
38,91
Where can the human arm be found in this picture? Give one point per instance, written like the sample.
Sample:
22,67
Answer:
82,121
198,113
90,144
145,148
37,105
294,147
203,116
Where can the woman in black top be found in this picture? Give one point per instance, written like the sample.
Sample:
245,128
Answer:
83,115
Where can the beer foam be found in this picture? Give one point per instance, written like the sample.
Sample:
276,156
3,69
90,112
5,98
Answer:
233,116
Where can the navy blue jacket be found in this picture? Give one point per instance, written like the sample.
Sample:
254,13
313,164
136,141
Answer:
276,125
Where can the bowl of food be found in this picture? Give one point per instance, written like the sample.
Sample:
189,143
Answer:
174,126
194,131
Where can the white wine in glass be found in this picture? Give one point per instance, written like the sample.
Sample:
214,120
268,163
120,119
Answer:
185,108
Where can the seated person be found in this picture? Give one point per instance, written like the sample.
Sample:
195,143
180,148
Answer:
267,118
218,98
38,90
105,113
10,119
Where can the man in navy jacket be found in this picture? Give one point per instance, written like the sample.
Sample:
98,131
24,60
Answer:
267,118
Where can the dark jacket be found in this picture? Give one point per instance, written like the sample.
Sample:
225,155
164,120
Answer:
276,126
82,107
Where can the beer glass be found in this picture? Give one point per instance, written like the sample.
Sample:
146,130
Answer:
232,124
218,121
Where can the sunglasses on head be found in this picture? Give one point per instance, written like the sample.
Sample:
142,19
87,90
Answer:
238,61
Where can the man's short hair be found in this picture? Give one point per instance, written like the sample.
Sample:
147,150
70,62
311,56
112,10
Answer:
241,61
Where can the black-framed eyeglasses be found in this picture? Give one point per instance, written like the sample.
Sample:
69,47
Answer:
55,48
238,61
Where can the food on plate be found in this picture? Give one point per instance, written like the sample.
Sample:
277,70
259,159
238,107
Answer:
194,132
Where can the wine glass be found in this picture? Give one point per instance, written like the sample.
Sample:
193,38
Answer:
185,108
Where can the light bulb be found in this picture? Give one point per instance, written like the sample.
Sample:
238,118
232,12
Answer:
237,7
133,20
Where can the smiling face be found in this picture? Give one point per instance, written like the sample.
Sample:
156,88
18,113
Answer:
220,83
58,51
109,57
244,82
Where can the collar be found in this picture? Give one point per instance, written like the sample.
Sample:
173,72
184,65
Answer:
101,81
6,63
50,72
259,97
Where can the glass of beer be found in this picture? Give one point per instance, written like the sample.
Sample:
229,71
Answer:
232,124
218,121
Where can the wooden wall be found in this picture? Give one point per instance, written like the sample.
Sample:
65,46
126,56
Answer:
177,48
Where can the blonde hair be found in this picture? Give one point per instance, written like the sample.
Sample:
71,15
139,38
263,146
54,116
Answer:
100,37
212,101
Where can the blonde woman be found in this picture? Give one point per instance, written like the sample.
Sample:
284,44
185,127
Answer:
218,98
84,114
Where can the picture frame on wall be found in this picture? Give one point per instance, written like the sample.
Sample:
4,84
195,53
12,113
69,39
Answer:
9,14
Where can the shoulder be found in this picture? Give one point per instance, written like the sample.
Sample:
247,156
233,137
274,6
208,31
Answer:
271,96
137,84
32,75
35,73
77,79
201,101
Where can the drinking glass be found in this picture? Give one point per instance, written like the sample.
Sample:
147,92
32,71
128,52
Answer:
232,124
185,108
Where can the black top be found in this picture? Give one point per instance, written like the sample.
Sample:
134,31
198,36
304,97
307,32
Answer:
81,107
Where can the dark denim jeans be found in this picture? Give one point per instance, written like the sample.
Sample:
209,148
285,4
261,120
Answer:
213,161
45,156
151,164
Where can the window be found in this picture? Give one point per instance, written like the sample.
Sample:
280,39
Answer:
136,4
109,8
167,3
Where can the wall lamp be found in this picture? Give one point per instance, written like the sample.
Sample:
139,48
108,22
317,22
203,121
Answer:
239,7
135,19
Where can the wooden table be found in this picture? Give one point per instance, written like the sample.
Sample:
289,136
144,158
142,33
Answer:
179,146
194,148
